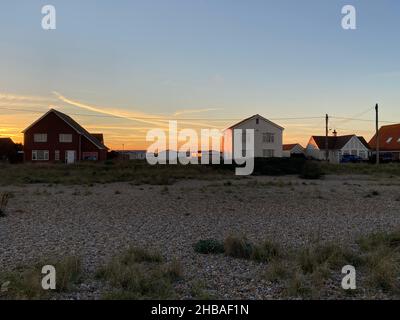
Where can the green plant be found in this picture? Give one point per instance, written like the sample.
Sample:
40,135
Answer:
139,274
311,170
209,246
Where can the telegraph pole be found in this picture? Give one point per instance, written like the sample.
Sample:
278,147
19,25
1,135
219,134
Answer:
326,137
377,132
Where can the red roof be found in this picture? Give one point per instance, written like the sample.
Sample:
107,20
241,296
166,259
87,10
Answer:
389,138
288,147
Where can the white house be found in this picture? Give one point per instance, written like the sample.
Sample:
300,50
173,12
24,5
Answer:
292,149
338,146
267,137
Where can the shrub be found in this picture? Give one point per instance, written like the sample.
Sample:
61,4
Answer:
266,252
139,274
209,246
25,282
311,170
238,247
3,203
330,255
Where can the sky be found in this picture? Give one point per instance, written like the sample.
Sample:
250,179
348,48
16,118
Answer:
125,67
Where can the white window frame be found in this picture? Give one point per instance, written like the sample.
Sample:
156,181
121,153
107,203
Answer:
39,137
268,137
65,137
35,154
268,153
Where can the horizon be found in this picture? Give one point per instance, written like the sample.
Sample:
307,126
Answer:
125,69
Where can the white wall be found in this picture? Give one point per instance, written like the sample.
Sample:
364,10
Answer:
260,128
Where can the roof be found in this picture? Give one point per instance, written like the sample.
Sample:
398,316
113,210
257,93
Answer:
255,116
334,143
98,136
72,123
364,142
288,147
389,138
4,141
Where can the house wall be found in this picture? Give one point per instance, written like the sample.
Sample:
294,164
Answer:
52,125
260,128
296,150
355,147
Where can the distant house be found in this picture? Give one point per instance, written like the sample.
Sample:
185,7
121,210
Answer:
292,150
57,137
389,141
8,149
338,146
134,154
267,137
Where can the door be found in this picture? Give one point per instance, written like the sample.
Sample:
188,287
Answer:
70,156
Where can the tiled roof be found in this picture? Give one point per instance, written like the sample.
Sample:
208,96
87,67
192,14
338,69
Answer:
334,143
389,138
288,147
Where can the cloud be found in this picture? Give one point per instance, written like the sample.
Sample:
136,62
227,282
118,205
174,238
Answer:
191,111
154,120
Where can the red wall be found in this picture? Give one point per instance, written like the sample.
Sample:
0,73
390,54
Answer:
53,126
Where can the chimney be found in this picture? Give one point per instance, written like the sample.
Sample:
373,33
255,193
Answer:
335,133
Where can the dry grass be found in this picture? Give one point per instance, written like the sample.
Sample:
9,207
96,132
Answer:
138,172
140,274
3,203
24,283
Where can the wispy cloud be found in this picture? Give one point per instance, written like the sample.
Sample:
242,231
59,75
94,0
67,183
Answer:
192,111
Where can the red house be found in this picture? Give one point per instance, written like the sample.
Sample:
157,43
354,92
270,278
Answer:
57,137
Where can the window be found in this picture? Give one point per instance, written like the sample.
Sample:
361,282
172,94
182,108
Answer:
362,154
257,121
389,140
57,155
268,153
268,137
65,138
40,155
354,152
40,137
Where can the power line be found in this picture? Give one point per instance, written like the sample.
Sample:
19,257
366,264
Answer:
346,119
157,118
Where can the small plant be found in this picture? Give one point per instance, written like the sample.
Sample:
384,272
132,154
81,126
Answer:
238,247
198,291
140,274
209,246
266,252
311,170
3,203
25,281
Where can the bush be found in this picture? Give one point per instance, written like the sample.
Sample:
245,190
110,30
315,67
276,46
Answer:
238,247
3,203
278,166
266,252
311,170
209,246
139,274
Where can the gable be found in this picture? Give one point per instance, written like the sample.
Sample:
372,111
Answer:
252,121
53,116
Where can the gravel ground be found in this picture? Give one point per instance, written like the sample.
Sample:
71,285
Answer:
97,222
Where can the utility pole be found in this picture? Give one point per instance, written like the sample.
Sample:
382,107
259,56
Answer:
326,138
377,132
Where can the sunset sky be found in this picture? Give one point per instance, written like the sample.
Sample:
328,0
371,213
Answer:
124,67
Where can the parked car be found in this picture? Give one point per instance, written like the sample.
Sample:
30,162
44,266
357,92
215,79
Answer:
384,157
349,158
